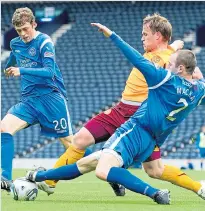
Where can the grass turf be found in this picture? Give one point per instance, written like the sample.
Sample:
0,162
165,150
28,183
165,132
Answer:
87,193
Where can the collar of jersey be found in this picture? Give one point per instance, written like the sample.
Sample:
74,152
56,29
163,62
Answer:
36,35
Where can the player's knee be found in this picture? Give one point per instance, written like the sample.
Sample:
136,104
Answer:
4,128
78,141
155,173
81,140
100,173
86,165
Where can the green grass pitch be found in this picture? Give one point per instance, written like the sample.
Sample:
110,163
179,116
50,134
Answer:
87,193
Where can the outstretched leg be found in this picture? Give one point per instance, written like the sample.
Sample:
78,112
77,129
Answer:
68,172
156,169
108,169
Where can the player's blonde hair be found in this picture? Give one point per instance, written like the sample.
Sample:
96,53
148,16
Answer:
186,58
21,16
158,23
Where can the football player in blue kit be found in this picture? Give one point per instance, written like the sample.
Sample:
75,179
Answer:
173,94
43,94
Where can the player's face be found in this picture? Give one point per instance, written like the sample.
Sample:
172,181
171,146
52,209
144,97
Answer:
148,38
26,32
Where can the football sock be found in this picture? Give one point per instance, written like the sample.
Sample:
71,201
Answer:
178,177
129,181
62,173
72,155
7,153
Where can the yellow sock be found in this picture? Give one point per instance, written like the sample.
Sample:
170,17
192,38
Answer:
70,156
178,177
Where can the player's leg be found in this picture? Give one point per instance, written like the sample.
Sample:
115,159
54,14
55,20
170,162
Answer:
75,151
98,129
67,172
109,169
86,136
66,141
54,119
120,150
81,140
155,168
63,160
10,124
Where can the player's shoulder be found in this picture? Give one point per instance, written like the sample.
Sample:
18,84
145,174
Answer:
15,40
156,58
160,57
42,37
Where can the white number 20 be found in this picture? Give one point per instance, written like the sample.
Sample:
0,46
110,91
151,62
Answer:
62,124
172,113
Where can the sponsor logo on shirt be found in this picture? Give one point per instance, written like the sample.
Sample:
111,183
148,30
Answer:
17,51
48,54
32,51
27,63
156,59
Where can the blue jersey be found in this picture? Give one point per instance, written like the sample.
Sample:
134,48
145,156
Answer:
171,98
39,72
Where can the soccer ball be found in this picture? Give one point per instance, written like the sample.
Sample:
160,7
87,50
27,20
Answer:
24,190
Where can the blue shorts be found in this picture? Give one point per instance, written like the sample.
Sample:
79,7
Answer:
131,142
202,152
50,111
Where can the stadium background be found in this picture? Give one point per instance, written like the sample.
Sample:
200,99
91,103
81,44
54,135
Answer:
94,70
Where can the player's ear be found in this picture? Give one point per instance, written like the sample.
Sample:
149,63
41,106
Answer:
158,35
181,69
34,24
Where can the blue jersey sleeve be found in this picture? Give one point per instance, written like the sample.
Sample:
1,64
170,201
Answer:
48,61
153,75
11,61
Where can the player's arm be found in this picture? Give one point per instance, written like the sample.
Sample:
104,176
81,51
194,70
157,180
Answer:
152,74
47,53
48,61
197,74
177,45
10,62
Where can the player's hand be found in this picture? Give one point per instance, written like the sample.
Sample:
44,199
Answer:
12,71
177,45
107,32
197,74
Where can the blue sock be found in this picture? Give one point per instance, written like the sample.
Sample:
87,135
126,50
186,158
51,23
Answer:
62,173
7,154
87,152
129,181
